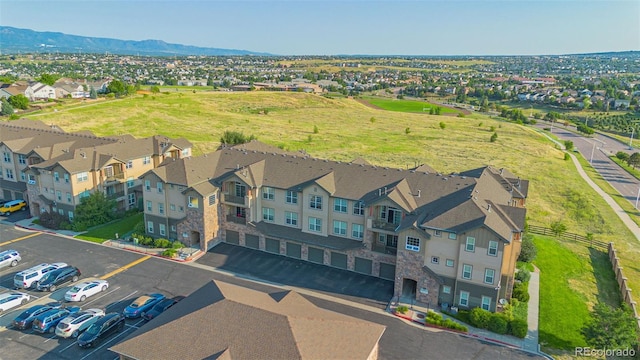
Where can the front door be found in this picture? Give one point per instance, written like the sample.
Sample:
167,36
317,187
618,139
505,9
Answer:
409,287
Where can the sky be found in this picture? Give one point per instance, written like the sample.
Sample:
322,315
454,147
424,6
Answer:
348,27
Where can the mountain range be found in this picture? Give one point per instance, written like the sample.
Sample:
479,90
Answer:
15,40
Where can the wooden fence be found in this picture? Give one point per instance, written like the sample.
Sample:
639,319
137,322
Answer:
622,282
568,237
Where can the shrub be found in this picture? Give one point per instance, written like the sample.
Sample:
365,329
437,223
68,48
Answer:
521,292
528,251
523,275
434,318
402,309
498,323
169,253
139,228
79,226
494,137
51,220
177,245
407,131
479,317
315,129
518,328
161,243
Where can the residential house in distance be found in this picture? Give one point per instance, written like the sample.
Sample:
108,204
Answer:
443,239
39,91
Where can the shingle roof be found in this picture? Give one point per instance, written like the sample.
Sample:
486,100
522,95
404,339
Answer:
221,320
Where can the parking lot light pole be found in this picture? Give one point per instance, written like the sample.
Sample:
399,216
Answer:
593,149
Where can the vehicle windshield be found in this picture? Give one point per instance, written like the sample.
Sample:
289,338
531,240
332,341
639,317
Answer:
63,326
74,289
93,329
45,277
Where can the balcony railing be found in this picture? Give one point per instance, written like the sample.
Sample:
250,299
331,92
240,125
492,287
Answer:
241,200
115,195
115,177
381,248
384,225
237,219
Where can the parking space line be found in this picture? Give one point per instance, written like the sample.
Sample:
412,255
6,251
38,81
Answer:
26,334
103,344
20,239
68,346
101,296
51,338
132,326
128,266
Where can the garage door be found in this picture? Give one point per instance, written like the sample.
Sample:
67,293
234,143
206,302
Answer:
233,237
363,266
387,271
316,255
294,250
272,245
339,260
252,241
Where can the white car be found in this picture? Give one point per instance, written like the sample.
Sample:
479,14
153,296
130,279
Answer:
81,291
12,299
74,324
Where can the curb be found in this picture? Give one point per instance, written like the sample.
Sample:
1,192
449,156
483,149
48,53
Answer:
178,260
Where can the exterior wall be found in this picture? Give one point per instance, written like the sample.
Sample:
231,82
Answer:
409,266
442,247
174,197
479,259
475,295
309,212
509,259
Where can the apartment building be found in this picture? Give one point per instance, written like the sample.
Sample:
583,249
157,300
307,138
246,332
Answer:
443,239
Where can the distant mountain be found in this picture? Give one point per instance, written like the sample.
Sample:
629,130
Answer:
14,40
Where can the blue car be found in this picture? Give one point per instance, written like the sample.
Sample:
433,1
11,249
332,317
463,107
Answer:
142,304
47,321
26,318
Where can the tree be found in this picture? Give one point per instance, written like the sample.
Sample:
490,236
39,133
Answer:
438,110
19,102
611,328
634,160
494,137
558,227
442,125
93,94
95,209
117,87
568,144
155,89
528,250
7,109
622,156
235,137
48,79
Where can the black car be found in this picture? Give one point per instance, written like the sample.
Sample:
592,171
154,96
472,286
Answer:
25,319
57,277
160,307
108,325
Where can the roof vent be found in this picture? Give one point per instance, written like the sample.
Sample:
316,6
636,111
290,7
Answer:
419,192
489,208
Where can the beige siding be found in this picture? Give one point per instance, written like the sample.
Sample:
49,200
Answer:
309,212
175,197
479,258
443,248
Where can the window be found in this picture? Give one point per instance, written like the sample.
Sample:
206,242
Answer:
56,177
69,197
489,275
172,207
23,176
66,178
162,229
471,244
173,228
129,164
83,176
357,231
186,152
268,193
291,218
150,227
486,303
59,195
358,208
268,214
70,215
193,202
7,157
340,205
161,208
339,227
315,202
146,160
159,187
449,263
9,173
446,289
467,271
130,182
132,199
413,244
212,199
61,212
31,179
437,232
315,224
22,159
435,260
149,206
292,197
147,185
181,208
493,248
464,298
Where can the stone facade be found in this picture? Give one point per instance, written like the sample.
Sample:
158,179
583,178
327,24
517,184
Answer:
409,265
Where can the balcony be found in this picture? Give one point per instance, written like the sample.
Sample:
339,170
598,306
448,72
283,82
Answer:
237,219
114,178
383,225
232,199
381,248
115,195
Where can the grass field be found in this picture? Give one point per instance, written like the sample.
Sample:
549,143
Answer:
407,105
345,131
103,233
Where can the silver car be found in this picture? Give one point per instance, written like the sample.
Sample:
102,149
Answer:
9,258
74,324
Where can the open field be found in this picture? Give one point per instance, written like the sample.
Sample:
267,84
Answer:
345,132
407,105
336,65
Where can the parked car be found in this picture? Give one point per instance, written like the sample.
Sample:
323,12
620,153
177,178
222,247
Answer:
57,277
46,322
13,206
74,324
12,299
142,304
101,329
81,291
25,319
9,258
31,277
160,307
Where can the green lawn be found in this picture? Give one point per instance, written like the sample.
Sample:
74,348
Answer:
413,106
101,234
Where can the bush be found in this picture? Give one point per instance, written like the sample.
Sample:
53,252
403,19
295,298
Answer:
139,228
434,318
520,292
79,226
498,323
52,220
177,245
479,318
523,275
518,328
402,309
528,252
169,253
161,243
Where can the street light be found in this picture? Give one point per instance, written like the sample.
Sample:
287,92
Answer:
633,129
637,197
593,149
